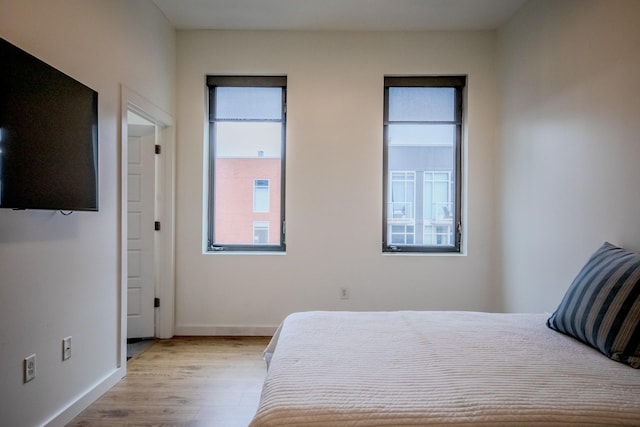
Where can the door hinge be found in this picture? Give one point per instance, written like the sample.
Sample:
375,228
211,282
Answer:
156,226
158,149
156,302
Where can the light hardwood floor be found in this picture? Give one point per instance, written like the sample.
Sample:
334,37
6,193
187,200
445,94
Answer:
192,381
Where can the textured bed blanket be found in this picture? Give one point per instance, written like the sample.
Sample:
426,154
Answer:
439,368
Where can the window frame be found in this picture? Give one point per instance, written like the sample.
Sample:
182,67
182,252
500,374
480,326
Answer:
212,82
458,83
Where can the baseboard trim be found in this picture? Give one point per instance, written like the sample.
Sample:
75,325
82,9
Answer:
81,403
249,331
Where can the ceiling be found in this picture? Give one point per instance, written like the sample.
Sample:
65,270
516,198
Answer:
338,15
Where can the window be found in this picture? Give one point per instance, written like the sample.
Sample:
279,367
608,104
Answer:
261,195
422,160
438,191
402,190
402,234
260,232
247,123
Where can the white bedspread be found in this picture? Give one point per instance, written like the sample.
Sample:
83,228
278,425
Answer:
439,368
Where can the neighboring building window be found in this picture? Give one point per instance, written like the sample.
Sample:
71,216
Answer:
260,232
401,234
261,195
437,208
247,122
402,195
423,157
400,207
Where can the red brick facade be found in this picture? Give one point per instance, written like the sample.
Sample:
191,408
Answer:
234,215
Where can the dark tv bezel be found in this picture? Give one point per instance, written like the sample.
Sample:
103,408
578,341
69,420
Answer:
91,136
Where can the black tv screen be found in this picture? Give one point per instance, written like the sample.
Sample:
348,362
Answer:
48,136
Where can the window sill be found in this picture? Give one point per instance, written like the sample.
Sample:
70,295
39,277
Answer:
244,253
425,254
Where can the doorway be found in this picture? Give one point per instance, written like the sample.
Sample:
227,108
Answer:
141,214
147,285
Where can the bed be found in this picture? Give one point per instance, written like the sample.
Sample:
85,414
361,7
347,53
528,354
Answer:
454,368
439,368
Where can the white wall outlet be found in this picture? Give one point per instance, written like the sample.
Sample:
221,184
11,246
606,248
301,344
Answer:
66,348
344,293
29,368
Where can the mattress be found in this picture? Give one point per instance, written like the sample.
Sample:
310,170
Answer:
411,368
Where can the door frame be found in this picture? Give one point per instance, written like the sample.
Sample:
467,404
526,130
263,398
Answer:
165,209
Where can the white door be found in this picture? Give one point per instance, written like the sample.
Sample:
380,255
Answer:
140,230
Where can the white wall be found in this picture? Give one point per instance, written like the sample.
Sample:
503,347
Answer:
334,180
570,151
59,274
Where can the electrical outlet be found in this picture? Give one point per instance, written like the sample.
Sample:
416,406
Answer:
66,348
344,293
29,368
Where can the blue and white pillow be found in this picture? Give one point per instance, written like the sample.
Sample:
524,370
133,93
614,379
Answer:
602,306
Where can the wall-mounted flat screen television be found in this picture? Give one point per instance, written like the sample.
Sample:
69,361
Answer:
48,136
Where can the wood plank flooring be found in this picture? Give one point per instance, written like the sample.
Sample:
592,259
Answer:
191,381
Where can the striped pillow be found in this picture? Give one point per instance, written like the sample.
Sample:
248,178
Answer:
602,306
